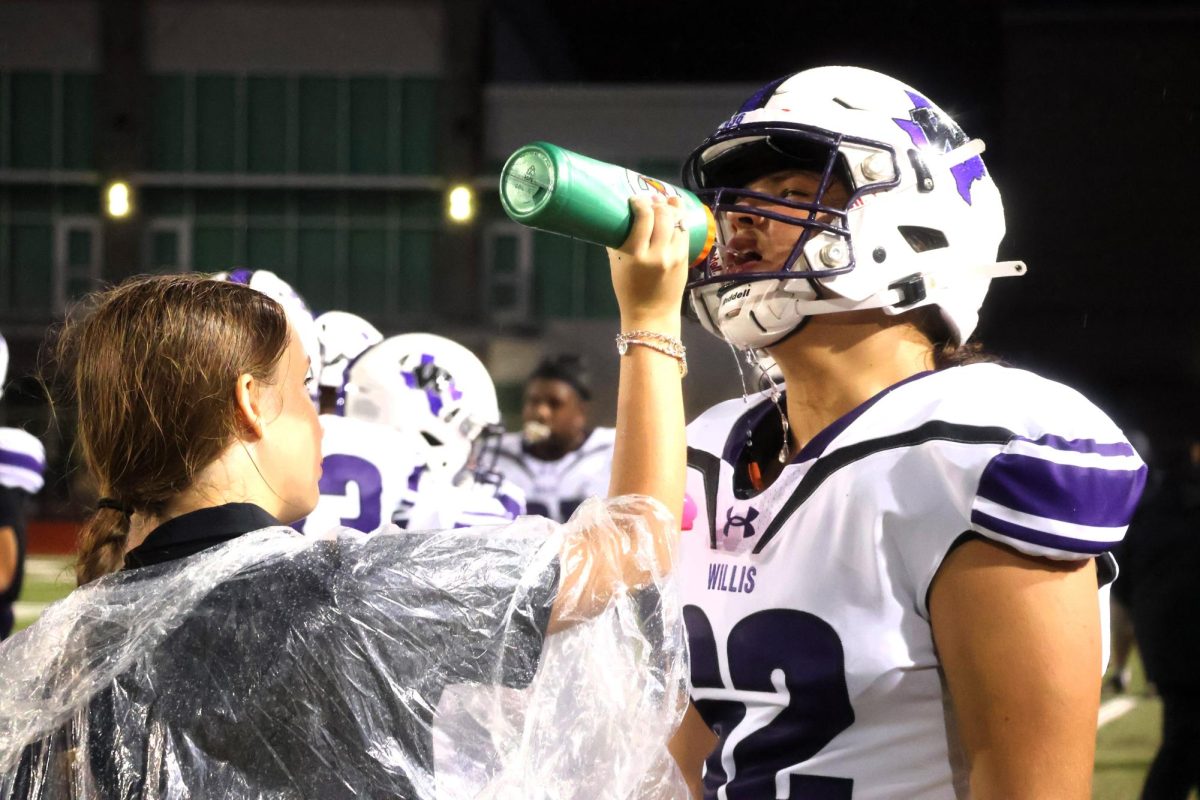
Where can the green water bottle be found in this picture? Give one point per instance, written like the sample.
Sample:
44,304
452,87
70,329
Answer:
552,189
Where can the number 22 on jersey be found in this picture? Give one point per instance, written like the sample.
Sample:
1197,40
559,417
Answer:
781,660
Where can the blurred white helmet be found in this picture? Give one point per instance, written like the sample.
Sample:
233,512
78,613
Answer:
433,386
298,314
3,363
921,225
344,336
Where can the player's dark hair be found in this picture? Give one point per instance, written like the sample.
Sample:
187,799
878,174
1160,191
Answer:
152,369
568,368
947,351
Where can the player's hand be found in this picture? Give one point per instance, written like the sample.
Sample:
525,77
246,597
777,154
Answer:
650,269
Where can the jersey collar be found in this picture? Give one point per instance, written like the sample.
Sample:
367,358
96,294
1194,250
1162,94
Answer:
750,421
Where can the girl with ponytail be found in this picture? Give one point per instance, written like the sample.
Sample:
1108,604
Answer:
212,651
190,393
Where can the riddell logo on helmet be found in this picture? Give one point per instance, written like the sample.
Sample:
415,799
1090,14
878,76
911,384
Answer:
738,295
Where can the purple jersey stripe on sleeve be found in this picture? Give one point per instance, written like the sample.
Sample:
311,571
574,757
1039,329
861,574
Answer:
13,459
1084,445
1080,495
514,508
1039,538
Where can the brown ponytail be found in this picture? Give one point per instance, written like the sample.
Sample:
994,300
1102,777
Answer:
152,369
101,544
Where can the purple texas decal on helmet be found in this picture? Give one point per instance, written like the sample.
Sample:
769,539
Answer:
434,380
926,127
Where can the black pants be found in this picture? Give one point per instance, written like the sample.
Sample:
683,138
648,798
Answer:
1176,767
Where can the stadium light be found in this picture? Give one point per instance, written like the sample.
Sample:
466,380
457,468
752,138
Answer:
461,204
118,200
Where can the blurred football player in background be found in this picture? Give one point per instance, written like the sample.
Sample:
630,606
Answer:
892,587
343,337
558,459
22,463
412,441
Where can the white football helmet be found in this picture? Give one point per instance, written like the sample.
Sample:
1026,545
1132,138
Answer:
3,363
298,314
437,387
921,227
344,336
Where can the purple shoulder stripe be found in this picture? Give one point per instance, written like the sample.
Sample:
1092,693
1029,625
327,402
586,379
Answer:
1102,498
14,459
1083,445
1040,538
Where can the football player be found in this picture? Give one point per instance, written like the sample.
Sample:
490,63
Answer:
343,337
558,459
22,463
893,586
414,442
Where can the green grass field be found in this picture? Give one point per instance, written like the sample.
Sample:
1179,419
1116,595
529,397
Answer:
1124,747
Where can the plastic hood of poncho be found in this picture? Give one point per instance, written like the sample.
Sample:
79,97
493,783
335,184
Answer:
402,664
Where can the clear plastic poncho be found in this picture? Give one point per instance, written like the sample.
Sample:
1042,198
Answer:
531,660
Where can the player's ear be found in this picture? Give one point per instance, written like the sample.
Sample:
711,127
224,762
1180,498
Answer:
248,406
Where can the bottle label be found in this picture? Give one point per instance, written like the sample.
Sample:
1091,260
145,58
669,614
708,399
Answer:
644,184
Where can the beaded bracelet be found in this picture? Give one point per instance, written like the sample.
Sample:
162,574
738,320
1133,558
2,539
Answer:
667,345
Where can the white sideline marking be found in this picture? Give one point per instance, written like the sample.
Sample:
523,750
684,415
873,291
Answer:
1115,709
28,610
49,569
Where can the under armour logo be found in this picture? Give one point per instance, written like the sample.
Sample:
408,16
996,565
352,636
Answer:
434,380
743,522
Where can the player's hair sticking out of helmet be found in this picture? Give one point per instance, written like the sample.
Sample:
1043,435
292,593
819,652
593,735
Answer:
929,320
947,350
151,368
568,368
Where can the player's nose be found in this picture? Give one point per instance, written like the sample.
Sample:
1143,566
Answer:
743,220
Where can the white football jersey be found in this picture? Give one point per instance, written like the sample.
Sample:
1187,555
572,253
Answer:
433,504
373,475
365,473
812,654
555,489
22,460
